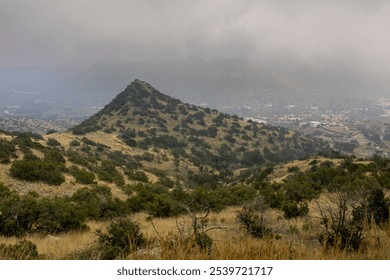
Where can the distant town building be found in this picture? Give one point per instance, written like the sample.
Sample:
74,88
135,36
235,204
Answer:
314,124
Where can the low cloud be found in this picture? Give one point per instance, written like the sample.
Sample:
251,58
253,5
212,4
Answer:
322,35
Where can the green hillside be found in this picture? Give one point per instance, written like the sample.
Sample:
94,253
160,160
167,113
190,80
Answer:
201,138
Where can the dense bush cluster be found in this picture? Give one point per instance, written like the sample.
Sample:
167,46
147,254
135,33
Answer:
97,203
28,214
123,237
356,199
292,194
160,201
31,214
37,170
27,141
107,172
82,176
7,151
48,169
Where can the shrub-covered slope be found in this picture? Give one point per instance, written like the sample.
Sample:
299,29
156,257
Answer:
146,136
145,119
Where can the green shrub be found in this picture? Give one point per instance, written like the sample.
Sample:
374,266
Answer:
167,142
128,136
9,206
54,156
25,142
74,143
37,170
107,172
7,151
254,219
51,131
165,181
229,138
30,214
53,142
57,215
30,156
253,223
98,203
77,158
137,175
122,238
294,210
374,208
293,169
163,205
82,176
251,158
21,250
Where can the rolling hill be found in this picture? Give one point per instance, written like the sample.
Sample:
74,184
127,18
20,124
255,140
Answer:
144,135
191,137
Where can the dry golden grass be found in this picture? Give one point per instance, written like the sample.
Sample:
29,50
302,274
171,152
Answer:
60,246
294,239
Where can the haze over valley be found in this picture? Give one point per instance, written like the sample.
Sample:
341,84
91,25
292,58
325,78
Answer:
243,87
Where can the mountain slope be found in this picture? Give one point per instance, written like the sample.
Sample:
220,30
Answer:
144,136
146,119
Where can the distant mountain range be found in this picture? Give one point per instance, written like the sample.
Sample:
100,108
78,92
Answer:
183,77
218,83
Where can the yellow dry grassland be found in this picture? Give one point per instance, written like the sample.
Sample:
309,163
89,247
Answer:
294,239
60,246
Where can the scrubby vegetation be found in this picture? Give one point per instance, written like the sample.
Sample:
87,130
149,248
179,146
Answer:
21,250
21,215
143,118
343,201
7,151
148,154
37,170
122,237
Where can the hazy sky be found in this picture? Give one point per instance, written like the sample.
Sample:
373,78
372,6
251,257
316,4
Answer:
346,34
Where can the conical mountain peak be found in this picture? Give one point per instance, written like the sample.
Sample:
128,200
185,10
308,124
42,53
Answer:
146,119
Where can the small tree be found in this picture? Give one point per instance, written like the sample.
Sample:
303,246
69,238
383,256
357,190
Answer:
201,238
191,236
338,228
254,219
